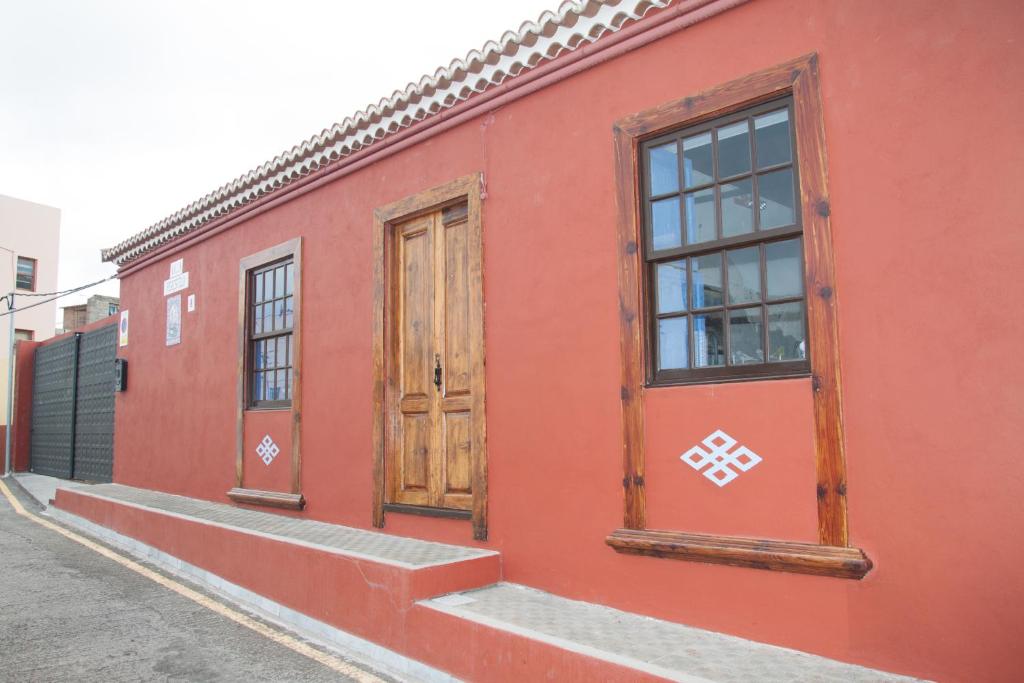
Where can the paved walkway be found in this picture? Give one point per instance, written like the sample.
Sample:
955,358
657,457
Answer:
70,613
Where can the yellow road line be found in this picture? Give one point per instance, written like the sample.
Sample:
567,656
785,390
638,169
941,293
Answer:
288,641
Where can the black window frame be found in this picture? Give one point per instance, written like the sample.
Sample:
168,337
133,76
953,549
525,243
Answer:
255,339
34,276
728,372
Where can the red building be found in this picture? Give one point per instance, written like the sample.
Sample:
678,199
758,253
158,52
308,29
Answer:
698,311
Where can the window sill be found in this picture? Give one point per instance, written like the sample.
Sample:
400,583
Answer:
287,501
787,556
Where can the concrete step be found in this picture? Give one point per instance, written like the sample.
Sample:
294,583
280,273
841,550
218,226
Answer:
362,582
650,647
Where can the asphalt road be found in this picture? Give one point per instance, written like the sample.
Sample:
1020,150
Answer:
69,614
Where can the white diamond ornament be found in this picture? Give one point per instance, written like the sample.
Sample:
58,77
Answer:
267,450
725,464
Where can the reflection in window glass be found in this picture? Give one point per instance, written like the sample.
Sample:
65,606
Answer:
745,336
737,208
700,216
672,350
744,275
698,162
707,280
708,340
733,150
664,169
665,220
672,287
785,276
786,339
776,192
771,134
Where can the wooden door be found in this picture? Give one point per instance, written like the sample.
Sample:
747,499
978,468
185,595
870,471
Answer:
429,455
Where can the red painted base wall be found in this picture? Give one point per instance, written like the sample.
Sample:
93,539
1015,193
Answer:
921,104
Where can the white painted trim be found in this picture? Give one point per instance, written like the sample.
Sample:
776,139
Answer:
321,633
355,554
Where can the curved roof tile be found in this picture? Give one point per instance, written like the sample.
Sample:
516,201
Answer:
572,25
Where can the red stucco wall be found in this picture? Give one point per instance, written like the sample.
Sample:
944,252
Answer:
921,101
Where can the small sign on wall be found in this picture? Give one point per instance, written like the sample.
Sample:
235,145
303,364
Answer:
191,302
175,283
177,267
122,330
174,320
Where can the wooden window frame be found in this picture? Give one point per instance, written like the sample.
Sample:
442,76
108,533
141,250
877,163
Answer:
35,273
832,555
294,499
465,189
253,337
729,372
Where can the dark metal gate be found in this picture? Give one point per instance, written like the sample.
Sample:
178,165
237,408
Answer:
73,407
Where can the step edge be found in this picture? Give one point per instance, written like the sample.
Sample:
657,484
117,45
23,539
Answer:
308,627
354,554
566,644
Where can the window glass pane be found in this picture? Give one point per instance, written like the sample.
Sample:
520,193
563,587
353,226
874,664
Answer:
282,385
745,336
257,288
733,149
665,217
771,133
291,351
737,207
258,387
289,278
672,286
700,216
268,317
697,164
786,340
289,313
25,277
782,260
708,340
268,285
664,169
279,281
282,351
706,272
288,386
744,275
776,192
271,386
672,351
279,314
257,355
271,353
257,320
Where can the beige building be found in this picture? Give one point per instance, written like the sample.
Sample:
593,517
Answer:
97,307
29,246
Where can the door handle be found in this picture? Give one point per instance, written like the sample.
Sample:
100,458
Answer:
437,371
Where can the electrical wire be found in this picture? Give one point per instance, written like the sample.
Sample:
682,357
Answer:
9,298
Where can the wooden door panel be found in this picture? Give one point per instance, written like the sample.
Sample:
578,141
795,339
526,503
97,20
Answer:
416,309
458,453
456,357
415,459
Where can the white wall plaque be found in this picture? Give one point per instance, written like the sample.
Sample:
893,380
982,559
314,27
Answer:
122,329
191,302
175,283
177,267
174,320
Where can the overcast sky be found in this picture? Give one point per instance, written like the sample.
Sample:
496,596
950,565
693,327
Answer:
121,112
